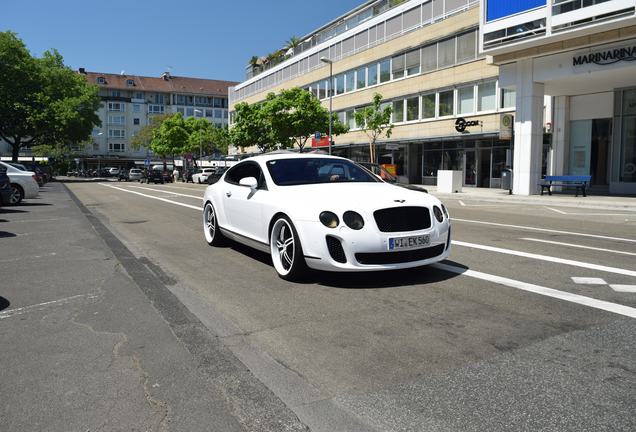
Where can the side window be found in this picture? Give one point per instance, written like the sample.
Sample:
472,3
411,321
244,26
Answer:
246,169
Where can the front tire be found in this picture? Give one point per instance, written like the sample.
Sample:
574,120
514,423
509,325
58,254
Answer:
211,226
17,195
286,250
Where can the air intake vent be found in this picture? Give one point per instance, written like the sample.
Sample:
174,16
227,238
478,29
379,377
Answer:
397,219
335,249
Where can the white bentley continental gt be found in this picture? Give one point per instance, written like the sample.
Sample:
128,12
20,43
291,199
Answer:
325,213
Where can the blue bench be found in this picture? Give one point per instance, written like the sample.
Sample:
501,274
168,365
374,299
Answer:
579,182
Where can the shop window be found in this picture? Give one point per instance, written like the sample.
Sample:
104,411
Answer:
412,62
429,58
446,103
466,46
508,98
398,111
428,106
397,66
412,108
372,77
361,78
431,162
446,53
486,96
628,138
385,71
466,100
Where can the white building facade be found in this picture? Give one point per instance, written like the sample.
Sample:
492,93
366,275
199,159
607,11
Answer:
581,53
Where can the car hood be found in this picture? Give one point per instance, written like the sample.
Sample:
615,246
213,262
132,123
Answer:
339,197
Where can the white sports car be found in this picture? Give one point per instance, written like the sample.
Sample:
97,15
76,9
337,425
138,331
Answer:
326,213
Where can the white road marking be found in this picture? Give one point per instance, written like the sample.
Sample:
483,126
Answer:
182,188
623,288
169,192
22,310
537,289
154,197
556,210
31,257
579,246
588,280
557,260
544,230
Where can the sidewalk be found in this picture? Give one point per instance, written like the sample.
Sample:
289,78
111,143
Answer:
623,203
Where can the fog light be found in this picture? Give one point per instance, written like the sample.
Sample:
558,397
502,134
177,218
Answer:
353,220
329,219
438,214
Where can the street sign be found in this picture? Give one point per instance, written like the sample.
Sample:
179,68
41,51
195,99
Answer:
147,162
317,136
392,146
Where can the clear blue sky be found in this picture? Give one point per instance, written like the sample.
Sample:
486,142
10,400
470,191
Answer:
207,39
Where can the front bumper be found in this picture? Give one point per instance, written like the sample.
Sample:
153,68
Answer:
367,249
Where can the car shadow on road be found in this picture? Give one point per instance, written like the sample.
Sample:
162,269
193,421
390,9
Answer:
5,234
6,210
384,279
4,303
33,204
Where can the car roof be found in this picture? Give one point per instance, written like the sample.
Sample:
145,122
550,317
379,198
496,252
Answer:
293,155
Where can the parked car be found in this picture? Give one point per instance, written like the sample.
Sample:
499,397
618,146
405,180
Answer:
113,171
167,176
135,174
186,175
325,213
38,177
386,176
5,187
202,175
23,184
153,176
122,176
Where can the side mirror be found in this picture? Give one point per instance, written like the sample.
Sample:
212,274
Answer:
250,182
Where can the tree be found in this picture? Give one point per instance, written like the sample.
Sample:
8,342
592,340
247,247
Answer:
143,138
170,138
252,127
43,101
375,120
295,115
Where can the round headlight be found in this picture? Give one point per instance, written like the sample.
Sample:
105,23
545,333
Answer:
329,219
445,211
353,220
438,214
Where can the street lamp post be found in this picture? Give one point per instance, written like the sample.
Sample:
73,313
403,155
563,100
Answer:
200,144
99,159
330,90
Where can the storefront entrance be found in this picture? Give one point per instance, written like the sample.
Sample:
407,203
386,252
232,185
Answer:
589,149
477,168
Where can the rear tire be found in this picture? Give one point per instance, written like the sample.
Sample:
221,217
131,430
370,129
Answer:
211,226
18,194
286,250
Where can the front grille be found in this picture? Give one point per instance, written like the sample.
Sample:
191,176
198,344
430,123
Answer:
401,256
335,249
398,219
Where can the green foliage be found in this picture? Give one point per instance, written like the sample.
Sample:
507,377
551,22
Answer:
171,137
43,102
252,127
143,138
375,120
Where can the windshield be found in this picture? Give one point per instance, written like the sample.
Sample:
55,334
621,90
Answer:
300,171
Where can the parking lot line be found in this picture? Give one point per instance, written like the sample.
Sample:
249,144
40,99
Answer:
544,230
22,310
557,260
154,197
537,289
168,192
578,246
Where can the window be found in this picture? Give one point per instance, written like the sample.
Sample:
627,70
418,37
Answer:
398,111
341,117
385,71
198,113
101,80
339,84
243,170
412,60
115,93
508,98
155,109
115,106
486,96
136,108
349,81
159,98
446,53
116,147
189,111
209,113
361,78
218,102
466,46
117,120
466,100
413,108
130,83
428,106
136,121
322,91
446,103
429,58
181,110
351,121
218,113
139,95
372,78
116,133
361,124
397,66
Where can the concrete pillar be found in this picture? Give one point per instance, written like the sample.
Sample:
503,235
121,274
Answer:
528,131
560,135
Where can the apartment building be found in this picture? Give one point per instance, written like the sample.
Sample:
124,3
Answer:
583,54
130,101
422,57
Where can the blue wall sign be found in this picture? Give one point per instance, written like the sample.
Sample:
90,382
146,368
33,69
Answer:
496,9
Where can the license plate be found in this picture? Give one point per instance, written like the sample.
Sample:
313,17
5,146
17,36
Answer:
412,242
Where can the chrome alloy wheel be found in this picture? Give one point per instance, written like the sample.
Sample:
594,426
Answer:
210,225
283,246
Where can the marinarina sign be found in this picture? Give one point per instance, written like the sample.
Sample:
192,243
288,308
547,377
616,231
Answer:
606,57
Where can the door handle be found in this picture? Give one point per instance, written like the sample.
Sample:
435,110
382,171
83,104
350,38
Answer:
228,194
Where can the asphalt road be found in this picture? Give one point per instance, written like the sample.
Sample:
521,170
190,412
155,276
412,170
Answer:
528,326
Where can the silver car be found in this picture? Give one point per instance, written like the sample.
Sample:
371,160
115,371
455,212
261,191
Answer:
134,174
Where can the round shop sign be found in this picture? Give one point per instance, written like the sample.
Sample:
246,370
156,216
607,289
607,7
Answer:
461,124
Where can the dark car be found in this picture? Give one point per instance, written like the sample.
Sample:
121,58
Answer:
167,176
123,175
187,175
216,175
153,176
5,187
